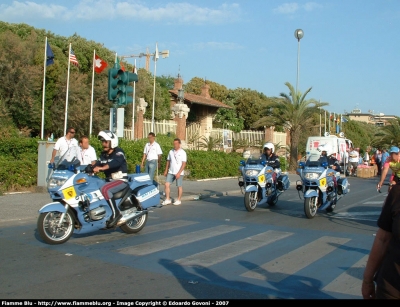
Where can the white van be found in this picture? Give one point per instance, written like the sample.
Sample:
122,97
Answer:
339,145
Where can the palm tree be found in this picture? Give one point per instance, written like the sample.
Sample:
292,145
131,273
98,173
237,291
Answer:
388,135
294,113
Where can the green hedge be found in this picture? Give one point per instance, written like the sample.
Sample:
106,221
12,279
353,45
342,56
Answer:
18,157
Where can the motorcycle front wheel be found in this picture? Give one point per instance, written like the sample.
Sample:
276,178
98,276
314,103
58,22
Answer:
310,206
135,225
49,229
250,201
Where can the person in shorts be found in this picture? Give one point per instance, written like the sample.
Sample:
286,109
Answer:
354,156
174,171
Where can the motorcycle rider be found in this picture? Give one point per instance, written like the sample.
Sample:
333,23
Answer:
271,158
327,154
112,162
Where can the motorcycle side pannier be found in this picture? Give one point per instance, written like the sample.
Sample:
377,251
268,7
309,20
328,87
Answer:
343,186
283,182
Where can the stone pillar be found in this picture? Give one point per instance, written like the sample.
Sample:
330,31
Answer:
180,113
269,134
139,126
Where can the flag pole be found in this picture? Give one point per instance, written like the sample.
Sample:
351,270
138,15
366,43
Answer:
154,89
66,99
91,98
44,88
133,105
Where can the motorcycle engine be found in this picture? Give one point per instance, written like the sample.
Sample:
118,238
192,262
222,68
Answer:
97,213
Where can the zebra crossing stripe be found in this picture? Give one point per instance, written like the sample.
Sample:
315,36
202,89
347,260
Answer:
349,282
166,243
113,236
279,268
230,250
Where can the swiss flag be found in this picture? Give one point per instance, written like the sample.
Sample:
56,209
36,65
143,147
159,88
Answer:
99,64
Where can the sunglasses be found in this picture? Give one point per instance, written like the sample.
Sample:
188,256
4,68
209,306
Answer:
72,132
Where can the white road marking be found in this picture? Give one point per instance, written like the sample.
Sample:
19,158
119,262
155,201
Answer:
170,242
230,250
279,268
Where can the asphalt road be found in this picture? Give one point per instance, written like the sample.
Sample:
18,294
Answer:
209,248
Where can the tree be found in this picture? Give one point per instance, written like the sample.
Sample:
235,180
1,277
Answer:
293,112
388,135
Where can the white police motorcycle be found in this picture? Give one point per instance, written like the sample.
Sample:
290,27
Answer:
320,185
79,207
257,184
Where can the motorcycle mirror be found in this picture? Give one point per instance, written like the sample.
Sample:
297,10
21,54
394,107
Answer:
263,163
324,164
242,162
302,164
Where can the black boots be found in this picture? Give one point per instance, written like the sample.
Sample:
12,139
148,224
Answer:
116,214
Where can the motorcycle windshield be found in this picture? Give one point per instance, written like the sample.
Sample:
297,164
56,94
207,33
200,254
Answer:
255,159
70,158
315,160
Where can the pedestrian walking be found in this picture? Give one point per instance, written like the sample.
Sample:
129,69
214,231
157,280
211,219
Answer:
63,144
174,171
87,154
385,155
381,278
353,161
151,156
378,161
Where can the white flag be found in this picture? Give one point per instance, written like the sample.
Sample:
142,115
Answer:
156,55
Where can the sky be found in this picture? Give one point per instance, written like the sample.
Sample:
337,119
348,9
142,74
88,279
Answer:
349,55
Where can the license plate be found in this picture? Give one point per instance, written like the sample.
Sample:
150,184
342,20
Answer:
69,193
322,182
261,179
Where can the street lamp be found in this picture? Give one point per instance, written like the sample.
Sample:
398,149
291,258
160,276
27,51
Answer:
299,35
320,122
164,55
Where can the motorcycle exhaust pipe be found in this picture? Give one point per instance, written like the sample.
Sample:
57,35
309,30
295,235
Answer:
124,219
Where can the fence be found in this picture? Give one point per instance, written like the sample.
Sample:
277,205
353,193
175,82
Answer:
160,127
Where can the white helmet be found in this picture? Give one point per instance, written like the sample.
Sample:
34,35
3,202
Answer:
107,135
327,148
270,146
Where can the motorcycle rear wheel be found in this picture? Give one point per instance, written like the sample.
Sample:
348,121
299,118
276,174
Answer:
310,206
250,201
135,225
50,232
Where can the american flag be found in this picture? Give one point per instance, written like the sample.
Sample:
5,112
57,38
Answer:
73,59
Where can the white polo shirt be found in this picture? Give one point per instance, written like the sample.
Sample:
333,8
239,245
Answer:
176,158
86,156
152,151
354,156
62,145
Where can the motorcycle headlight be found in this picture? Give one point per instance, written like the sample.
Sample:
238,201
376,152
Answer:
312,175
252,172
55,182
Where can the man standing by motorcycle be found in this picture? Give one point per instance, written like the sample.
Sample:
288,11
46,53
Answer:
271,158
112,162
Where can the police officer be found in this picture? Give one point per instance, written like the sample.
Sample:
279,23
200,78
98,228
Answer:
269,156
326,153
112,162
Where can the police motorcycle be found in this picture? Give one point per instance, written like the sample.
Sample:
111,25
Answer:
79,207
257,184
320,185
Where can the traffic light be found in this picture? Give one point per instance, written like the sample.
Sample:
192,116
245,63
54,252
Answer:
125,96
118,89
